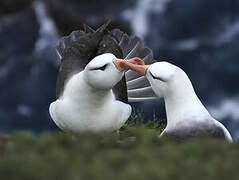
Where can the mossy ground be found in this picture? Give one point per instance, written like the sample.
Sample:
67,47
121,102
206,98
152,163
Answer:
137,153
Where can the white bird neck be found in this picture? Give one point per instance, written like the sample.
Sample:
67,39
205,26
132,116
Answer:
182,103
85,92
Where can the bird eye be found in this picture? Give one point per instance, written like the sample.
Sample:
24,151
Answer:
154,77
102,68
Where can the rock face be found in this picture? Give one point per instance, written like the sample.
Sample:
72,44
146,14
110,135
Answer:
200,36
27,79
70,15
13,6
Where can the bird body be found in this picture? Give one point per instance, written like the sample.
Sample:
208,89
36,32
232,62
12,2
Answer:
88,109
186,115
91,91
88,105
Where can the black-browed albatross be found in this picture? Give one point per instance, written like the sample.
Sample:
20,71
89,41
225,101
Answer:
186,115
91,92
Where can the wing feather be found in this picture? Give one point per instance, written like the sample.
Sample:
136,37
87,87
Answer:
138,87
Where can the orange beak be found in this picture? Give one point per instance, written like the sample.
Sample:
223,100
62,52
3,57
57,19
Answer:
135,64
123,64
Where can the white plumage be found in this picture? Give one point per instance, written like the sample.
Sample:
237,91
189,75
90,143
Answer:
85,100
186,115
88,103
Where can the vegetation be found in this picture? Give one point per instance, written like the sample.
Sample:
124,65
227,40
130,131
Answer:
136,153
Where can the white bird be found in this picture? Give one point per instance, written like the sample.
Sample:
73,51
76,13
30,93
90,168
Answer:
92,91
88,103
186,115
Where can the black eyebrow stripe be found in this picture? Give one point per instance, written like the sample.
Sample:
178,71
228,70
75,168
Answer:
156,77
102,68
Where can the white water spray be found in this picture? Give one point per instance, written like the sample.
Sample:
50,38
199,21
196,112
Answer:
139,15
48,34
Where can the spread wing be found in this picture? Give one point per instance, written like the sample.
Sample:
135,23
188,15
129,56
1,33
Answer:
138,87
75,52
80,47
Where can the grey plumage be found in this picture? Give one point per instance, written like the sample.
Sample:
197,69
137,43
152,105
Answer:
138,82
124,42
133,47
197,129
141,92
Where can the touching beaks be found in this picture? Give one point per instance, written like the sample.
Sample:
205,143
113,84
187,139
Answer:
135,64
124,64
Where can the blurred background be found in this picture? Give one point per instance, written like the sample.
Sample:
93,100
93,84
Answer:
200,36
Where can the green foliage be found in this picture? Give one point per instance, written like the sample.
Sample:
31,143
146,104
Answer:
137,120
137,153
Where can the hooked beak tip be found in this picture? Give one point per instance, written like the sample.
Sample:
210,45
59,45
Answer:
136,64
119,64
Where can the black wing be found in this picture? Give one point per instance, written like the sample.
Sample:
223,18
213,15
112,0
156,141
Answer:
76,51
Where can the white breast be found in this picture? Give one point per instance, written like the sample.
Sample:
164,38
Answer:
87,110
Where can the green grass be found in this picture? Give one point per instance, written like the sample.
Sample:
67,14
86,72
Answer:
137,153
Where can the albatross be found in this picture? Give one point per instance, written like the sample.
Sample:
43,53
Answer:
187,117
92,90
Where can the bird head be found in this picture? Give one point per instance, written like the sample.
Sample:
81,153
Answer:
105,71
161,75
